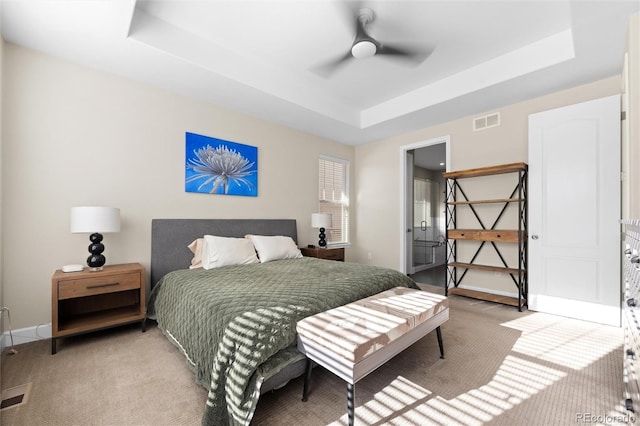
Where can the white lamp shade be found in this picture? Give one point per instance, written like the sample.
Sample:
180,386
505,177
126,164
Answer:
320,220
95,219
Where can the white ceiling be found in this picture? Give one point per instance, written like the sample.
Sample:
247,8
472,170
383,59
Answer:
259,57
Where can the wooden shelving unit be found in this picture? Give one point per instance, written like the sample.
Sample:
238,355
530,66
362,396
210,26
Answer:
487,235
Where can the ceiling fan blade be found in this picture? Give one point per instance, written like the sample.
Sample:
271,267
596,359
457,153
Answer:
350,11
327,69
416,56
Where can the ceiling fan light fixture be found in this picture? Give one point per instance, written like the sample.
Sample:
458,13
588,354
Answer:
363,49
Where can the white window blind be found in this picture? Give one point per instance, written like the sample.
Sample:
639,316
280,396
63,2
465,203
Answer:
334,197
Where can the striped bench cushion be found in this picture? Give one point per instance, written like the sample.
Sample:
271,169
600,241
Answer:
358,329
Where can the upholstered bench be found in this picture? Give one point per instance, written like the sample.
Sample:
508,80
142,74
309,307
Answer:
353,340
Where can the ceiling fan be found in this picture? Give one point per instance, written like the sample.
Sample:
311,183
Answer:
364,46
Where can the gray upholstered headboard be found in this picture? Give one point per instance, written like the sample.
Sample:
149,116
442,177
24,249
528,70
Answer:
170,238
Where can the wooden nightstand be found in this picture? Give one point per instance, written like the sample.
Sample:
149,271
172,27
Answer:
324,253
87,301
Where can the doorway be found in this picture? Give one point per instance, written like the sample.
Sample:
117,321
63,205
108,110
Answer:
424,243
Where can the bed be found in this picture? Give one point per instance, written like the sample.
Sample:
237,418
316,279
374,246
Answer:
236,324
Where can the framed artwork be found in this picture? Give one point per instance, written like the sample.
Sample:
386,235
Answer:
217,166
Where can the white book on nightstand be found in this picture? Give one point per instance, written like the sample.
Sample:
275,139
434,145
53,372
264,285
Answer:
72,268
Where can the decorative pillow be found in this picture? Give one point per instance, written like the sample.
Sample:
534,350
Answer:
223,251
274,247
196,249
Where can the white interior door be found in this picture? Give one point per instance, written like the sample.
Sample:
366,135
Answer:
574,209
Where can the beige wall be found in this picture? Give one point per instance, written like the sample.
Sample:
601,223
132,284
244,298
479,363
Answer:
74,136
378,172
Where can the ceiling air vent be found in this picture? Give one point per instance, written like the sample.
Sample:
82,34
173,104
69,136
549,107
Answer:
486,121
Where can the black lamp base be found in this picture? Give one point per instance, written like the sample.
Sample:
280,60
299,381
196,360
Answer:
96,261
323,241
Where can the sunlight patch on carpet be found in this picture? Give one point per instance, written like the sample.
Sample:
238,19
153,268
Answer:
394,398
406,403
564,341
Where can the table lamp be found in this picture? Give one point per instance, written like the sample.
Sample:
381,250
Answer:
322,221
95,220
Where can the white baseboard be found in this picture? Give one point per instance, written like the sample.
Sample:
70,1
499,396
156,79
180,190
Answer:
593,312
25,335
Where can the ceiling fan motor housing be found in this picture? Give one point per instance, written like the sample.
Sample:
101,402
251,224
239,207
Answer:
364,46
363,49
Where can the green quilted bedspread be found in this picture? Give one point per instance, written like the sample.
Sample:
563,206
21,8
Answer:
236,325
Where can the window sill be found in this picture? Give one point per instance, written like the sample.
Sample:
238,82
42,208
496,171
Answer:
339,245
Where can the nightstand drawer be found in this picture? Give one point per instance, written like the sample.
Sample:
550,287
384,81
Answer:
336,253
333,255
82,287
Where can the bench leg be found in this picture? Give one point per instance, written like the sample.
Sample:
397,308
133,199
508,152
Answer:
439,334
350,402
307,379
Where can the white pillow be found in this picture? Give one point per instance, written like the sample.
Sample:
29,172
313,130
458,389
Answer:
196,248
223,251
274,247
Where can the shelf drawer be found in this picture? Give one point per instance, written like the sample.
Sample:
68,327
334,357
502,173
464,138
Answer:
82,287
507,236
464,234
496,235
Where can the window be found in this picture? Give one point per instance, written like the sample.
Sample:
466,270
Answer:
334,197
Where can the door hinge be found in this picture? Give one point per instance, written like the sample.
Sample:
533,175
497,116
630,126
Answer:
623,115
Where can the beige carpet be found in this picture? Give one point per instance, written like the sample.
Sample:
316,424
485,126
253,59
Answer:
502,367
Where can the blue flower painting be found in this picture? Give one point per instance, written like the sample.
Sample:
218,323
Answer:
216,166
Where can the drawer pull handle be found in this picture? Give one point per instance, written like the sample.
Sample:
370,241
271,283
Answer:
635,259
631,302
627,251
102,285
630,353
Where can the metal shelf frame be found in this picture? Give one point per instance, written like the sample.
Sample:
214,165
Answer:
456,197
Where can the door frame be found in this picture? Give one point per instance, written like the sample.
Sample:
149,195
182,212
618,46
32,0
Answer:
404,189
